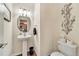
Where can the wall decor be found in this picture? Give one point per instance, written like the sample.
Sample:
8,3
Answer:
67,24
5,12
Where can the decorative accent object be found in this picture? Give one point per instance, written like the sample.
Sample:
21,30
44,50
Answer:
24,12
67,24
5,12
31,52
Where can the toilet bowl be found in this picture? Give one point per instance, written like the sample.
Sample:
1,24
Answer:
57,54
65,49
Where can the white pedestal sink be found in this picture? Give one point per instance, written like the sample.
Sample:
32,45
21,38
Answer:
24,39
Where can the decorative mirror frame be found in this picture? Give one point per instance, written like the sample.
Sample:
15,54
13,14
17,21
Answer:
21,18
8,17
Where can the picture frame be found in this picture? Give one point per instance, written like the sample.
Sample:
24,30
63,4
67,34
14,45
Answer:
5,12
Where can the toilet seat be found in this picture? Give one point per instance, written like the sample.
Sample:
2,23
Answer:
57,54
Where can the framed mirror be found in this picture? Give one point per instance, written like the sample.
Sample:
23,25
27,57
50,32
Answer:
24,23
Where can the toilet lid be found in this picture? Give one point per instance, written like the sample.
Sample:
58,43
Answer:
57,54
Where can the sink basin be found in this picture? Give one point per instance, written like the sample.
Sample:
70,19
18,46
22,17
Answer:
22,37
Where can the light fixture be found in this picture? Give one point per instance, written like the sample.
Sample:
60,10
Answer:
24,12
29,13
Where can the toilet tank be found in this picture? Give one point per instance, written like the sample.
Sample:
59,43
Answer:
67,49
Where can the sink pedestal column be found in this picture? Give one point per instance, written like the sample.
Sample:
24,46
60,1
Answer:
24,50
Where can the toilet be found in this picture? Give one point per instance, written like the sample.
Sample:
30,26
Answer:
57,54
65,49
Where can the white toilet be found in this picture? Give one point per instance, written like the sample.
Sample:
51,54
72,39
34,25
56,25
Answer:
65,49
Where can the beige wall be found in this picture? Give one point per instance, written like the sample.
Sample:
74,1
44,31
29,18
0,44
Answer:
51,18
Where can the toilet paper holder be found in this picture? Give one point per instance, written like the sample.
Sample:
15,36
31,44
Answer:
34,31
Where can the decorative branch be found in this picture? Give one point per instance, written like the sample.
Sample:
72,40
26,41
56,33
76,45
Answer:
69,20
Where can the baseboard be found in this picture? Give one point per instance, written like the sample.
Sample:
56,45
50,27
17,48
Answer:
16,54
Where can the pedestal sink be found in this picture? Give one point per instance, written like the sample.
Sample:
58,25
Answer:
24,25
24,38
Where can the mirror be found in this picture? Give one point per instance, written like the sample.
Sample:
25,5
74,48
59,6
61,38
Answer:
24,23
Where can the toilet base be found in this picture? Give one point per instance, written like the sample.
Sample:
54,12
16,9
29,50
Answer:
57,54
